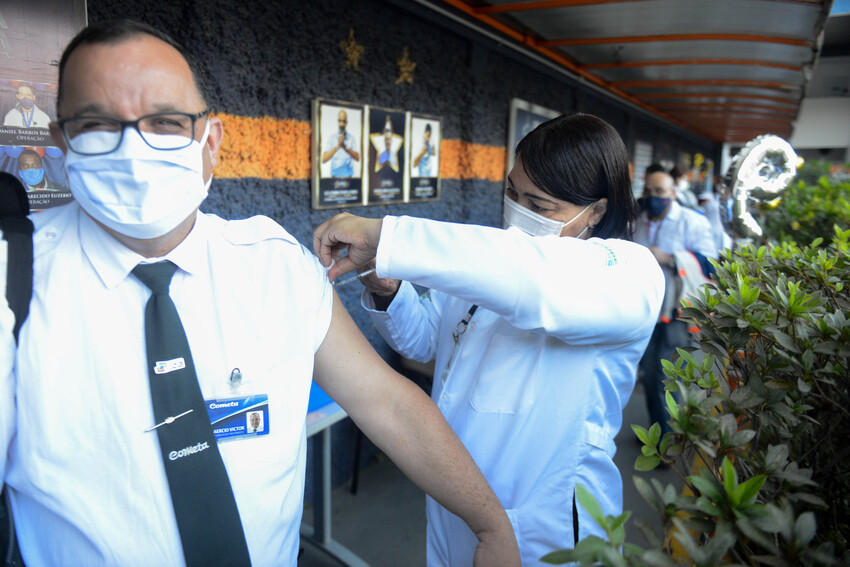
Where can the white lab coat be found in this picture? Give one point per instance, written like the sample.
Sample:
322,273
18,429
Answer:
542,374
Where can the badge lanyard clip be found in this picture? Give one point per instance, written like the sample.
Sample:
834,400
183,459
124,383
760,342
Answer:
462,325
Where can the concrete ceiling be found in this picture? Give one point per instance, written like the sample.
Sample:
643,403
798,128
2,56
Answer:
727,70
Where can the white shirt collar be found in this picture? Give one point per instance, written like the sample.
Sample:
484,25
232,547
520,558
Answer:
113,261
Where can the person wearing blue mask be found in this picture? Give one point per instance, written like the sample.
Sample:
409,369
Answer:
31,171
536,328
149,303
25,113
668,229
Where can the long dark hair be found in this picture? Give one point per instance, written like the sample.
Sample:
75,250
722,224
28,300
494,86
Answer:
580,159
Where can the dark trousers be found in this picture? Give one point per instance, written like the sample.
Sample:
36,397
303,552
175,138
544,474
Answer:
666,338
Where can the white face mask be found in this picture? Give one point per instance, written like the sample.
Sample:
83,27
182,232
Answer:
136,190
535,224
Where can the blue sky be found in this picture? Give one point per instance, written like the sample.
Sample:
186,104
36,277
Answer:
840,7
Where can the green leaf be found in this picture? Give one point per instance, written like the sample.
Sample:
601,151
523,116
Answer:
730,478
657,558
748,490
613,557
644,463
786,342
723,538
641,434
708,507
654,434
589,503
646,492
808,359
687,357
755,533
559,557
708,486
671,406
804,529
742,437
620,520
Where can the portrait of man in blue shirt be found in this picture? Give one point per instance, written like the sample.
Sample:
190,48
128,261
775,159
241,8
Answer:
341,149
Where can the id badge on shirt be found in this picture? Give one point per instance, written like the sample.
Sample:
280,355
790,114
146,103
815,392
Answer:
237,418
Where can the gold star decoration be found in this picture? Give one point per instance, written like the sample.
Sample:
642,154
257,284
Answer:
405,68
353,51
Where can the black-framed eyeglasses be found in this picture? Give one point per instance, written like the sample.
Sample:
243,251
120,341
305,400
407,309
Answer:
97,135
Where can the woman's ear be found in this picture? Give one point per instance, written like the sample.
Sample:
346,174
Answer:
597,211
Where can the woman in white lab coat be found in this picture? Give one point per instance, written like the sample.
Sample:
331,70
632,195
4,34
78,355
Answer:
536,330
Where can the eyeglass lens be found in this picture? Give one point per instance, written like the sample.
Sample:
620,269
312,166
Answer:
167,131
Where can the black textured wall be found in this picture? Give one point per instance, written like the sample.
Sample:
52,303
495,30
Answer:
272,58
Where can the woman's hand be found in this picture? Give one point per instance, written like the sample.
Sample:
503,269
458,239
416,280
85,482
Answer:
358,235
382,287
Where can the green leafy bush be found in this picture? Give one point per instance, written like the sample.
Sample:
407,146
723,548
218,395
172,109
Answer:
761,422
811,206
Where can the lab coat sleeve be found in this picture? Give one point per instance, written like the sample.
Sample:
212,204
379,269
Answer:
7,367
581,291
409,325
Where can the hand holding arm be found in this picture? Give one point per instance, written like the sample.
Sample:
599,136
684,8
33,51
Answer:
403,421
358,235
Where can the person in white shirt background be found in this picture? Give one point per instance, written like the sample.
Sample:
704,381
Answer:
536,330
666,227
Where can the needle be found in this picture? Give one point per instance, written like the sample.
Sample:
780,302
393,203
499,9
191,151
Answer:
351,279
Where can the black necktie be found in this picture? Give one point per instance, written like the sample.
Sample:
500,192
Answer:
207,517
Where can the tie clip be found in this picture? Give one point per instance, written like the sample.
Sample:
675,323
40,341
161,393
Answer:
168,420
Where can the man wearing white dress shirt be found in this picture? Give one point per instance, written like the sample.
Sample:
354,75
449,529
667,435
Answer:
249,297
668,228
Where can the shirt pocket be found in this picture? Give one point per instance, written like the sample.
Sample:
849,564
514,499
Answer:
287,399
506,381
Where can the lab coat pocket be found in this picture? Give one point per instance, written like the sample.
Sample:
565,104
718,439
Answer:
507,376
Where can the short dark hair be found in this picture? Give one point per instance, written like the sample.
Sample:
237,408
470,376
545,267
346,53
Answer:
427,127
655,168
116,31
28,153
677,172
580,158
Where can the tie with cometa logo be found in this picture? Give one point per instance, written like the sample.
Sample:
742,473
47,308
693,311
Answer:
207,517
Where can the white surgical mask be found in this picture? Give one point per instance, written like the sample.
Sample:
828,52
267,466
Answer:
532,223
136,190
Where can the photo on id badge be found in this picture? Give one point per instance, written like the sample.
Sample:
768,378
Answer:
237,418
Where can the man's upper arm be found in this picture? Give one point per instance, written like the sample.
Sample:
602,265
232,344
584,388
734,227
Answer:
349,369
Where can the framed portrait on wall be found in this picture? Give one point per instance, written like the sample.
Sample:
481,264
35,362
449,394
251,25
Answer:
338,156
33,35
385,157
423,156
524,117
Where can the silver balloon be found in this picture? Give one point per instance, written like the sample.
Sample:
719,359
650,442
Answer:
759,174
